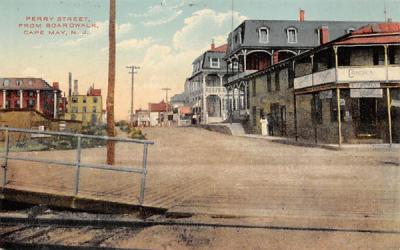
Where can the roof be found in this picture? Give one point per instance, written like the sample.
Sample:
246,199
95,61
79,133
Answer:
14,83
378,28
221,48
382,33
307,33
159,107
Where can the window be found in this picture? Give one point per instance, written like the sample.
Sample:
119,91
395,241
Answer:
19,82
74,99
30,82
269,82
292,35
94,109
18,92
74,110
334,110
263,35
277,83
379,55
394,54
30,93
84,109
73,117
290,76
94,99
214,62
6,82
31,103
84,99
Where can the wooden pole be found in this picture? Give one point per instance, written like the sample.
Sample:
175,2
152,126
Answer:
295,115
339,118
111,85
389,115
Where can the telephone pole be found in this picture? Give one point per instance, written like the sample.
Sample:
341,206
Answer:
132,72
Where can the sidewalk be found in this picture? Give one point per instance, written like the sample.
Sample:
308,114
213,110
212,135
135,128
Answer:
292,141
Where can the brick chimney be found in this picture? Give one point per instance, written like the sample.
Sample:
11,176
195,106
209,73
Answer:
324,35
212,44
56,86
302,12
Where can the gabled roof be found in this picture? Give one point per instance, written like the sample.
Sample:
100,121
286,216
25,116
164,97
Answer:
378,28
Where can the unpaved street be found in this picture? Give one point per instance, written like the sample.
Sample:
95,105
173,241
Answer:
225,179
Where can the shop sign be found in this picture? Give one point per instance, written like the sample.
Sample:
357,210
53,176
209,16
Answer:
365,85
366,93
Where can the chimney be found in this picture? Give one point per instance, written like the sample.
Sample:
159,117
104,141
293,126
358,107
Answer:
69,83
56,86
302,12
212,44
324,35
75,87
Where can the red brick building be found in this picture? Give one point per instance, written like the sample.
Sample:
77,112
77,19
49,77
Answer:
31,93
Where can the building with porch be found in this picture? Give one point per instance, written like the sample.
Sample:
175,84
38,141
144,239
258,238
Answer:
343,91
257,44
205,89
31,93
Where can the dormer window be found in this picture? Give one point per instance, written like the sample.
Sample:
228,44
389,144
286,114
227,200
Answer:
214,63
6,82
349,30
30,82
19,82
292,35
263,35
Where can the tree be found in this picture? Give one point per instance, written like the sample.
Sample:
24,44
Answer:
111,85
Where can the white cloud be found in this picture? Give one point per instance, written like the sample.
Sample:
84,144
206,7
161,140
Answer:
202,26
162,13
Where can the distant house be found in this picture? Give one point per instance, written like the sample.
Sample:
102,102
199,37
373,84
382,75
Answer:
31,93
159,113
204,89
141,118
86,108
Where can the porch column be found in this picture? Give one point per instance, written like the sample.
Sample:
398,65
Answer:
55,105
4,98
244,60
38,100
272,57
229,106
21,98
245,95
204,118
295,116
221,79
389,115
335,50
338,118
386,62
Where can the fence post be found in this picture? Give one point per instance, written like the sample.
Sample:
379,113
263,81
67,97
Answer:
6,150
78,164
144,173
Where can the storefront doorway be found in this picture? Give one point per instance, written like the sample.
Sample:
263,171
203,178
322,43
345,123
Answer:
367,124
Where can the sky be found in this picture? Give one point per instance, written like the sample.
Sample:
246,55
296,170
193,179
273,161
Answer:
162,37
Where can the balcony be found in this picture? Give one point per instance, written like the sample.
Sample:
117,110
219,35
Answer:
348,75
240,75
215,90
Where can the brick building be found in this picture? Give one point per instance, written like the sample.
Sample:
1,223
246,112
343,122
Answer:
31,93
341,91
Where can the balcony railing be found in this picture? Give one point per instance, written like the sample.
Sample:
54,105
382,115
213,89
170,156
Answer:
215,90
349,74
241,75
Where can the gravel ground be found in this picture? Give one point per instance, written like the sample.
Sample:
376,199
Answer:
242,180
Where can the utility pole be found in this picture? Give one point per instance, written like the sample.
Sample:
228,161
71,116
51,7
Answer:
132,72
111,84
166,95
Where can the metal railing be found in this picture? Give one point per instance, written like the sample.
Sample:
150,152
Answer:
78,164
